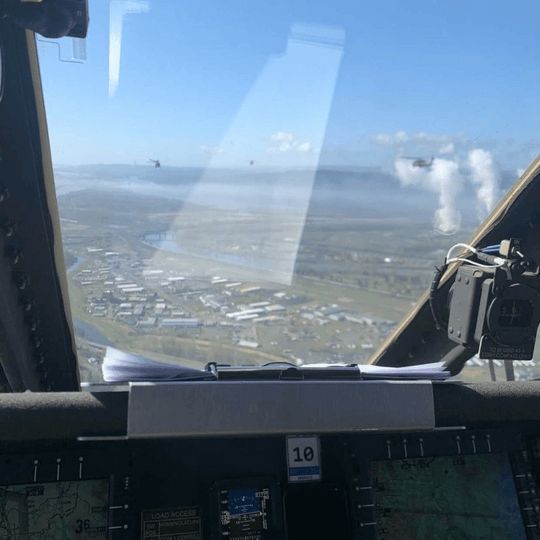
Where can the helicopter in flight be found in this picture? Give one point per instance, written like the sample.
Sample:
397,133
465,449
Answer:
157,164
419,162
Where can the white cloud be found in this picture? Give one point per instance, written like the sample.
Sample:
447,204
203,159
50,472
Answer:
383,139
283,147
304,147
447,149
281,136
286,142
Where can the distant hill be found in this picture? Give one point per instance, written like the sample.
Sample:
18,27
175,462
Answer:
368,192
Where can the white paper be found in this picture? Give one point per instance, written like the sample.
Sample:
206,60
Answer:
119,366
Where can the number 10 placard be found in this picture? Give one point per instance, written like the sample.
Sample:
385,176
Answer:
303,459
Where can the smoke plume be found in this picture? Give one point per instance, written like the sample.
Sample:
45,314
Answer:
442,178
445,178
485,177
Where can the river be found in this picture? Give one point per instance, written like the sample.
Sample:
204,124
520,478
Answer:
91,333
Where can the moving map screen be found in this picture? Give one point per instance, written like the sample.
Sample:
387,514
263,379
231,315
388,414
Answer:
55,510
456,497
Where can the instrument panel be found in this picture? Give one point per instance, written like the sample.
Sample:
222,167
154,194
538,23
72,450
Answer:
448,483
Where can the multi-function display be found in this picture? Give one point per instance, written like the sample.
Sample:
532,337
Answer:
55,510
472,496
244,513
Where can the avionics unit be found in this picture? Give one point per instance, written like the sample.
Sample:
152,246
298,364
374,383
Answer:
454,483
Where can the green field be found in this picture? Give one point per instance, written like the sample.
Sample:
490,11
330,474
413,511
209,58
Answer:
380,305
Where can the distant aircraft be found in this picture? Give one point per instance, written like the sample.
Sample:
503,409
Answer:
251,161
156,163
419,162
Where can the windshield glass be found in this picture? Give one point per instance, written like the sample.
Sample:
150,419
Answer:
244,183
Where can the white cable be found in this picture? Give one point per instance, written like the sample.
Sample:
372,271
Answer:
474,263
470,248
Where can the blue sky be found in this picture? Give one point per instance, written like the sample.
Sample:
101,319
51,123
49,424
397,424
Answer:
352,84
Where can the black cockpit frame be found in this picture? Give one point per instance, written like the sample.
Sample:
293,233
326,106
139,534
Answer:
37,350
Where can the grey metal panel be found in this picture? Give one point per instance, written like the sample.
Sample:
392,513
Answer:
191,409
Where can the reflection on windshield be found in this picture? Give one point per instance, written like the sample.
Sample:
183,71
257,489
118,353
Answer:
118,9
255,215
310,176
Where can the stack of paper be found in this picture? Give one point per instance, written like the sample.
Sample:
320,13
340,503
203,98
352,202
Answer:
119,366
434,371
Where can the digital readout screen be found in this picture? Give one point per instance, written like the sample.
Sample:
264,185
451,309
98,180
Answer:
244,513
471,496
55,510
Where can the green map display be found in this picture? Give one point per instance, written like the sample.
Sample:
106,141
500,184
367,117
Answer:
469,497
55,511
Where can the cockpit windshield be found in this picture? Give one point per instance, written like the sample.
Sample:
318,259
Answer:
247,183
